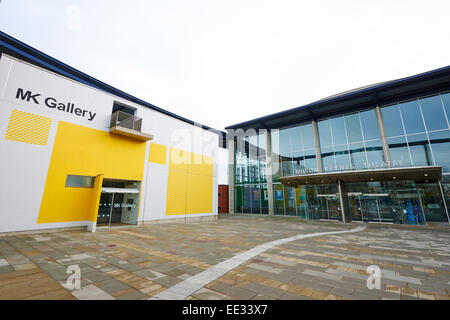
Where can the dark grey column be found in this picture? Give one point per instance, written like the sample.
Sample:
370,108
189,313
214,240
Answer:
384,142
317,146
343,200
269,176
231,166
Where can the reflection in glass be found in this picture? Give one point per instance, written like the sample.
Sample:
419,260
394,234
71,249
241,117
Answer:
412,118
358,156
256,199
325,133
374,153
328,162
392,121
246,199
338,131
289,201
278,199
446,101
307,136
399,152
342,157
420,150
440,144
369,124
353,126
433,113
432,202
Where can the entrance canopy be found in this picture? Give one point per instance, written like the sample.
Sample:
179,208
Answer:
418,174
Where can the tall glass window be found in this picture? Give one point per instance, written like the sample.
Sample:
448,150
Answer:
351,142
412,117
418,132
293,151
433,113
440,143
446,101
392,121
250,173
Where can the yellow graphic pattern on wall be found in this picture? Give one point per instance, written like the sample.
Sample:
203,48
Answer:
190,183
28,128
84,151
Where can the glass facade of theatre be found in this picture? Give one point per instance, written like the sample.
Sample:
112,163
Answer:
416,133
250,175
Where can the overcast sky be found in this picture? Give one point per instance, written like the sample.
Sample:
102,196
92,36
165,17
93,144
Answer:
223,62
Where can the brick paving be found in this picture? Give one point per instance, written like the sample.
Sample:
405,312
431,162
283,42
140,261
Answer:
142,262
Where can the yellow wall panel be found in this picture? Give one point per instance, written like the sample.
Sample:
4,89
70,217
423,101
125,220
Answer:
203,166
190,183
84,151
179,160
176,193
28,128
158,153
199,194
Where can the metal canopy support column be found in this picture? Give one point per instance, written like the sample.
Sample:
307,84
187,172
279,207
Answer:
269,172
317,146
343,201
231,168
384,142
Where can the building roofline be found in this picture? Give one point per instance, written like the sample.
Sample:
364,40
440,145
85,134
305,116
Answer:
371,91
23,51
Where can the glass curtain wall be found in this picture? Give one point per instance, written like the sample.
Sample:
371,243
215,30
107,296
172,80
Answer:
351,142
418,133
293,151
250,175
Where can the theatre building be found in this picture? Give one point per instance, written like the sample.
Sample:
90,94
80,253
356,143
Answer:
380,154
76,152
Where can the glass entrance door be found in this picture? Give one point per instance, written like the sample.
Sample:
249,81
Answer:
329,206
117,209
104,209
371,207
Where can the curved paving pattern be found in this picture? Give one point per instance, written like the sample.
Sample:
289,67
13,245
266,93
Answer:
142,262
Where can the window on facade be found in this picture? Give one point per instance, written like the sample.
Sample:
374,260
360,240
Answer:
307,136
325,133
420,150
399,151
123,108
374,153
412,118
358,156
440,144
369,124
433,113
392,121
353,126
349,136
293,151
74,181
446,101
338,131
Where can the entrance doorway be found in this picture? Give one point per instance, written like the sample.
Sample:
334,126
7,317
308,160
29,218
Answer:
329,207
119,205
371,207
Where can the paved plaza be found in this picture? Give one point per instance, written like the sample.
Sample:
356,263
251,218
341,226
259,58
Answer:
150,261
